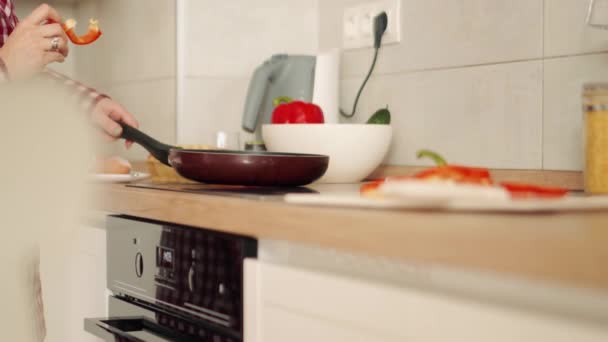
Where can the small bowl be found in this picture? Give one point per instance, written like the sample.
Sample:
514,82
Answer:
354,150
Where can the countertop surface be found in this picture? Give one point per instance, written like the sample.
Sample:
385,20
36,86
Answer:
567,249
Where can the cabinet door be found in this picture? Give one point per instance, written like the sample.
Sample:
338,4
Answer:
304,305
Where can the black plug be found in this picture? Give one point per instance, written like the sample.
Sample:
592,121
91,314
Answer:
380,25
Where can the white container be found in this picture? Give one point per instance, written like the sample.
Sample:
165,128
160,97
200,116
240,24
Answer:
354,150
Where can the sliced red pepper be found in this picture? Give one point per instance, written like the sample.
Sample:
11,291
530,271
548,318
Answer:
456,173
288,111
470,175
371,187
92,34
520,190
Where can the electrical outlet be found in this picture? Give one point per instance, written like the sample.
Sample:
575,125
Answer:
358,24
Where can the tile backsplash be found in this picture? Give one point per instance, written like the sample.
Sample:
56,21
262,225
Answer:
486,82
487,115
133,62
224,42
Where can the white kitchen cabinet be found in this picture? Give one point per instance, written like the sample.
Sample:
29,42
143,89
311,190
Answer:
74,282
88,278
289,303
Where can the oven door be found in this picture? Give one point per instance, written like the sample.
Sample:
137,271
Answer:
135,323
132,329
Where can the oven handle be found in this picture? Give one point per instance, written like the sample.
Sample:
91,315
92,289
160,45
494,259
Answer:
99,328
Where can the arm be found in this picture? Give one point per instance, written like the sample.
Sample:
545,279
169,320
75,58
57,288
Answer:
104,112
29,49
32,44
87,96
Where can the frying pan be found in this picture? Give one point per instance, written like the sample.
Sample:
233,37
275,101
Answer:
234,167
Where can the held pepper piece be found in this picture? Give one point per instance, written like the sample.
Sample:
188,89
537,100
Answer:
92,34
288,111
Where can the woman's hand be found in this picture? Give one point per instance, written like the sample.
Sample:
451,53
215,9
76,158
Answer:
29,48
105,115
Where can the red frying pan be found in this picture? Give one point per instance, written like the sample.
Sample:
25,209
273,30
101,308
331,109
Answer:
234,167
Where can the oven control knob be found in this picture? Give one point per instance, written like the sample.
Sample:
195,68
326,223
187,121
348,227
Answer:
139,265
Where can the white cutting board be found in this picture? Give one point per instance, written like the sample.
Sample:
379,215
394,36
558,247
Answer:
454,205
356,201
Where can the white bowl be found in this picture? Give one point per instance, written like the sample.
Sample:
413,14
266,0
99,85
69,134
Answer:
354,150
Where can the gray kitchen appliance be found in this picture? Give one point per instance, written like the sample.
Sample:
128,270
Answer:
281,75
172,283
307,78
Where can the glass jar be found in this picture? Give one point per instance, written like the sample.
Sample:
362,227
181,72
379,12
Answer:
595,125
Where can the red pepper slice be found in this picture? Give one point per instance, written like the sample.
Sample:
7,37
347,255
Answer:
92,34
288,111
521,191
456,173
369,188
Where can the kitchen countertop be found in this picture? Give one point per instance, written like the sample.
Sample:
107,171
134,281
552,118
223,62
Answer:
567,249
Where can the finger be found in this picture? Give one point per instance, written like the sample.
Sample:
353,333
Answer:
118,113
42,14
62,47
108,138
128,144
109,126
51,30
52,56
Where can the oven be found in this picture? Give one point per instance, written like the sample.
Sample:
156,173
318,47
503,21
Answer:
172,283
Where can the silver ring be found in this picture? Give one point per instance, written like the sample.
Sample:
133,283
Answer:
55,44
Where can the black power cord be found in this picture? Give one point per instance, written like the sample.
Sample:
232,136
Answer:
380,25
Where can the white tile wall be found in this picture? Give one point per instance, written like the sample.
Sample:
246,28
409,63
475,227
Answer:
519,109
439,34
153,104
225,42
231,38
565,32
564,78
489,115
138,41
134,62
479,80
211,105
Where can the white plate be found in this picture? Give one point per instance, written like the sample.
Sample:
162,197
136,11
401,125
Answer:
567,204
531,205
118,178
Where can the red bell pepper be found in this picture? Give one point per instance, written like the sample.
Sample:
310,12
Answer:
288,111
522,191
92,35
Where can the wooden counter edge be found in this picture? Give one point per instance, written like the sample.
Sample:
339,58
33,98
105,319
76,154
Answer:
567,249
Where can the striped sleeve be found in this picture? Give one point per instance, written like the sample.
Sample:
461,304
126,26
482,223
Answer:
86,96
3,72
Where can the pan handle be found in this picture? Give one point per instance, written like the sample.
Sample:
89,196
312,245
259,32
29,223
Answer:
159,150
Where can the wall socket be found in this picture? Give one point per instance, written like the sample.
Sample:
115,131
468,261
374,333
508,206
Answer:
358,24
